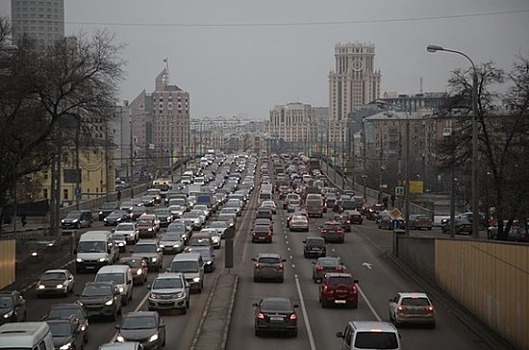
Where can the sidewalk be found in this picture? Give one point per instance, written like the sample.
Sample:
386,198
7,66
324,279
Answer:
33,223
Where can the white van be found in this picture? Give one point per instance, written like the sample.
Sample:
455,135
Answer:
122,277
26,335
94,250
265,196
192,266
369,335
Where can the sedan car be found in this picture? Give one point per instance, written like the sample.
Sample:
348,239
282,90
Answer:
149,249
460,225
298,223
106,209
176,211
66,333
137,212
146,327
413,307
324,265
220,226
171,243
355,217
261,233
60,311
268,266
164,216
418,222
116,217
55,282
275,315
12,307
139,267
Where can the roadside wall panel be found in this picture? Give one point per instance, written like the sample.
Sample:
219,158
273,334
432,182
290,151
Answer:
7,262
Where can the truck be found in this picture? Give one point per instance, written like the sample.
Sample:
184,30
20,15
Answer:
314,205
314,163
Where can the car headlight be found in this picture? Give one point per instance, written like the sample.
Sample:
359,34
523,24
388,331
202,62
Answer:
209,262
66,346
83,328
100,213
153,337
196,279
79,260
154,296
110,302
60,286
149,229
41,286
139,272
75,220
118,219
121,289
154,259
177,245
162,246
120,339
102,259
9,314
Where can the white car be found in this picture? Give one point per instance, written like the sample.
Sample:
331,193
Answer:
215,236
220,226
411,307
269,204
53,282
129,230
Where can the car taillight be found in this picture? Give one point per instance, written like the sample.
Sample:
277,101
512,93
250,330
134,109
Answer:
254,233
279,266
429,308
323,231
293,316
340,231
257,266
401,309
260,316
319,268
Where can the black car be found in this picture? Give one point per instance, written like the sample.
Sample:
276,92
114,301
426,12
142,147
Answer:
275,315
101,299
77,219
12,307
106,209
314,247
145,327
66,333
58,311
116,217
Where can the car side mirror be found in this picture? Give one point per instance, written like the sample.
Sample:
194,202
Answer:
284,260
339,335
44,317
304,241
109,251
355,281
148,286
296,306
117,326
255,305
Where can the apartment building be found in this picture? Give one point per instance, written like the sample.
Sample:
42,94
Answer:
40,20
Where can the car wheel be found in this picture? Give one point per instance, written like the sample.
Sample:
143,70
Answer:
257,332
255,279
188,303
124,301
183,310
85,338
432,325
163,342
294,334
281,280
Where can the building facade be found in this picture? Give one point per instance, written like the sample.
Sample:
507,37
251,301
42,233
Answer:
40,20
294,124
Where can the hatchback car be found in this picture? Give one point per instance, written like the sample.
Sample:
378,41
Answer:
314,247
169,290
55,282
332,231
106,209
65,333
338,289
325,265
268,266
460,226
12,307
261,233
59,311
139,267
145,327
415,308
116,217
101,299
275,315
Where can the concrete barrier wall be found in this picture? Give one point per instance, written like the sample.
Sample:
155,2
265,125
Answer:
491,280
418,252
7,262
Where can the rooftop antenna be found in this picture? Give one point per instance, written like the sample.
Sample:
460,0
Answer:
165,77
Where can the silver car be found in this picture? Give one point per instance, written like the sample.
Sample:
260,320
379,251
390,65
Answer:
268,266
171,242
149,249
169,290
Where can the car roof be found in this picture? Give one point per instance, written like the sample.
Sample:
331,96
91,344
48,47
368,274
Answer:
169,275
363,326
338,274
269,255
56,271
413,295
147,241
140,313
314,238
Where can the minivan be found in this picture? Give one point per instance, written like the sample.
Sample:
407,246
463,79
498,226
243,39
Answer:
369,335
77,219
26,335
122,277
94,250
192,266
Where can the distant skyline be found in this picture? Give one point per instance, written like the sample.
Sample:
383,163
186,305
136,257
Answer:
240,57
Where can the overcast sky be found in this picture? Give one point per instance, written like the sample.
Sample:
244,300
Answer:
242,57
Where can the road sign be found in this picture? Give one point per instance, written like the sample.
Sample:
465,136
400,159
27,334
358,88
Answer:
229,233
78,192
399,191
395,213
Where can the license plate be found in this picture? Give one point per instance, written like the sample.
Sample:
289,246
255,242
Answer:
89,267
276,318
339,301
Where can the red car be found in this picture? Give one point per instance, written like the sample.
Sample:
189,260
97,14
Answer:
332,231
261,233
139,268
338,288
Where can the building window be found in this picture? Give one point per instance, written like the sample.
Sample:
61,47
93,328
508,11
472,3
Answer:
45,193
65,194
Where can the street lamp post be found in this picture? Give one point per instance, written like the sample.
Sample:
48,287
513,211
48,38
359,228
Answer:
475,202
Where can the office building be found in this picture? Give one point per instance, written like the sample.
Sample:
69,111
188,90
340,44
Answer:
38,19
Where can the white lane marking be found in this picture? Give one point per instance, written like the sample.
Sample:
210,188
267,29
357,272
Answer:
368,303
293,266
142,302
368,265
305,315
288,248
290,256
287,242
286,236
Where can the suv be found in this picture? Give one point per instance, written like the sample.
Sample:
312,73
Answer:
147,226
314,247
369,335
411,308
332,231
169,290
338,288
12,307
101,299
77,219
268,266
149,249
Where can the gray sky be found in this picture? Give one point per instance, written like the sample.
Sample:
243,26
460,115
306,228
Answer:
242,57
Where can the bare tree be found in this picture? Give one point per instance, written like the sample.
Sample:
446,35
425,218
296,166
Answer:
43,85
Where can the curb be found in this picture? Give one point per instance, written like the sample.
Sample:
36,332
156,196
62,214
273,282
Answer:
205,313
230,311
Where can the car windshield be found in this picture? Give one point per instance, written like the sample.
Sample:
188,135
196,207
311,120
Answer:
92,247
125,227
184,266
107,206
328,262
218,224
269,260
66,312
177,228
376,340
60,329
73,215
200,241
96,290
118,278
53,276
167,283
145,222
139,322
261,228
145,248
162,212
315,242
414,302
6,301
170,237
276,306
335,281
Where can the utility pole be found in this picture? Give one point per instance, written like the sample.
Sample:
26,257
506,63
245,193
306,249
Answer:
78,177
107,165
131,157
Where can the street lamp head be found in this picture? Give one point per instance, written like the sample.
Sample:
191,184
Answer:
434,48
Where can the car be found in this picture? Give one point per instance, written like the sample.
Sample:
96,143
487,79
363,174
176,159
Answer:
149,249
171,243
146,327
65,333
298,223
127,206
106,209
164,216
314,247
197,219
137,212
179,226
77,219
220,226
517,234
55,282
324,265
204,208
372,212
369,335
101,299
332,231
13,307
116,217
130,345
147,226
147,201
208,257
344,220
460,226
169,291
275,315
293,205
386,222
418,222
176,211
269,204
129,230
268,266
228,218
120,240
265,222
261,233
338,288
139,267
60,311
355,217
411,308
